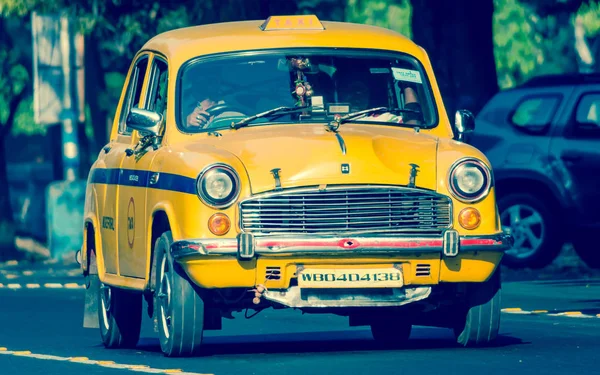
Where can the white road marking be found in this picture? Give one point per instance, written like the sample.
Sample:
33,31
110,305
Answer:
87,361
47,286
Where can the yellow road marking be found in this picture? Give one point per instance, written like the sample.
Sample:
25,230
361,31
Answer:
572,313
512,309
73,286
52,285
539,311
87,361
27,273
79,359
32,286
14,286
10,276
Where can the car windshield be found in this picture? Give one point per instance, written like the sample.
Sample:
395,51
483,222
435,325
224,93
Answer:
216,92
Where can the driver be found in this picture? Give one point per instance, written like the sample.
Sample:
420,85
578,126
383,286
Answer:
201,116
357,93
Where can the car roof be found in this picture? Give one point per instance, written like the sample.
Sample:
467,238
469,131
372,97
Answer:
182,44
567,79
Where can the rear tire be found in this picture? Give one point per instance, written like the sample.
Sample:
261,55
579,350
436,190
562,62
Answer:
179,308
120,317
529,220
479,325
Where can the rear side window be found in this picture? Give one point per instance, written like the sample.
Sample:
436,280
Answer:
535,112
587,117
588,111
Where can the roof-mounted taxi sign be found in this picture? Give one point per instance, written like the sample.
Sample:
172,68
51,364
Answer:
301,22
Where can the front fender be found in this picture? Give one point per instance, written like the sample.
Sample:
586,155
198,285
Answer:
449,151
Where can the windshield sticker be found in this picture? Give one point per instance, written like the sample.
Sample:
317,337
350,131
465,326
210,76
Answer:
379,70
407,75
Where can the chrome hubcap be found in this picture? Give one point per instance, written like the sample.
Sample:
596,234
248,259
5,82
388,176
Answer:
526,226
164,297
105,298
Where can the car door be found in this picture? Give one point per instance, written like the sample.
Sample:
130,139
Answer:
137,178
577,153
115,152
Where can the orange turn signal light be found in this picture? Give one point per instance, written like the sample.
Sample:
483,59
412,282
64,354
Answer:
219,224
469,218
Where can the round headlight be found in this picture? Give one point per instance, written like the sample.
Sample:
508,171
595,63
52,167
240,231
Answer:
218,185
470,180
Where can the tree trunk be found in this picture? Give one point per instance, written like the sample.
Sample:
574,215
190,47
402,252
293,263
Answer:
94,84
7,225
458,37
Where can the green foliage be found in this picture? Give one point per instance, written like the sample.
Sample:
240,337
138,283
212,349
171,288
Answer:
13,79
394,15
527,44
590,16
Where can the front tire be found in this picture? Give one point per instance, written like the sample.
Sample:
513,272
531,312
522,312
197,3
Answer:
179,307
480,323
120,317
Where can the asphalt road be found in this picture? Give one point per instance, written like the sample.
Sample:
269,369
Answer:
547,328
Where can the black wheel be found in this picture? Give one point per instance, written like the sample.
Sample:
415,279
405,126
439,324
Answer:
120,316
534,228
586,247
391,332
479,321
179,307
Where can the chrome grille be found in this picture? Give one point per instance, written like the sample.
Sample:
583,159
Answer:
346,209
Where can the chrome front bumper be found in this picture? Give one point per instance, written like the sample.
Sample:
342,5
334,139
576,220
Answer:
246,246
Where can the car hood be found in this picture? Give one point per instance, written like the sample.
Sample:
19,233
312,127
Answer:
308,154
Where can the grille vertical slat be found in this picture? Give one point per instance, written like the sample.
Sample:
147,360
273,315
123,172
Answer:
347,209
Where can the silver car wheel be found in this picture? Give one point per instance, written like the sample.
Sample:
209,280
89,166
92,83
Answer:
105,302
164,296
527,227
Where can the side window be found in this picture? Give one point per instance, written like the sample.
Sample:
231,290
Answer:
535,113
157,100
134,93
587,116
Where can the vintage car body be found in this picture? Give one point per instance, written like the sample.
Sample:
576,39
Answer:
357,219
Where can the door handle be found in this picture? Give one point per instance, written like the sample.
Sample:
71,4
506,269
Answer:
106,149
571,156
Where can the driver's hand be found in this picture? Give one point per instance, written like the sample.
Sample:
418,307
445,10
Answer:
198,117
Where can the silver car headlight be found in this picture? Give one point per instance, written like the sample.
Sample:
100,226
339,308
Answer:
470,180
218,185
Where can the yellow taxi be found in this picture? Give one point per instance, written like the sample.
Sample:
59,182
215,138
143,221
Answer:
289,163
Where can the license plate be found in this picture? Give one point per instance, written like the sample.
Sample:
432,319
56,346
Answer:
350,278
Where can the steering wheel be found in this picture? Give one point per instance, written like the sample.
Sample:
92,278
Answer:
218,109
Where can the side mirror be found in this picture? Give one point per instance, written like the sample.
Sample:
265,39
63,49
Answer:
144,121
464,121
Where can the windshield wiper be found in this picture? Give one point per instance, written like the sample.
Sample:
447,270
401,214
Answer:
350,116
270,112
